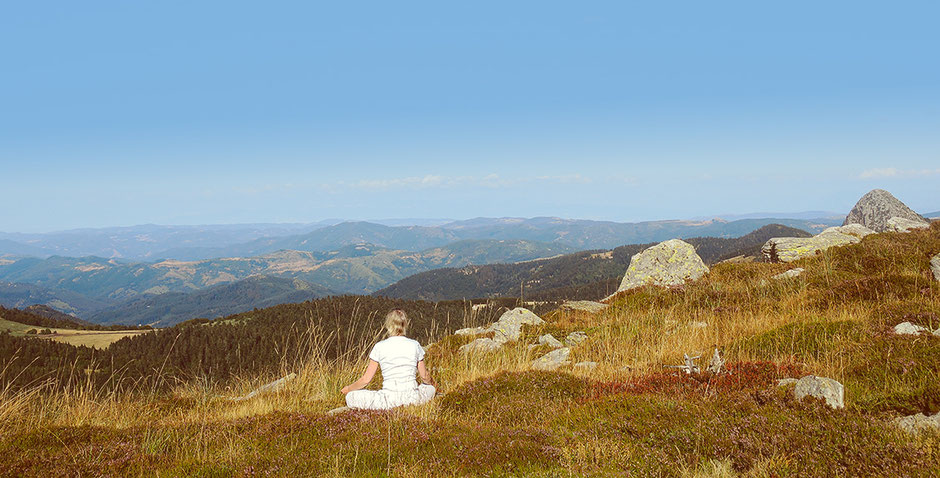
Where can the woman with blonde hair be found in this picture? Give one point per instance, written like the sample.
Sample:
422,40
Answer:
401,359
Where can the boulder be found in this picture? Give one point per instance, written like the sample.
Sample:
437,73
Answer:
668,263
789,249
575,338
935,266
907,328
856,230
820,387
551,341
480,345
509,326
789,274
588,306
552,360
900,224
918,423
874,210
471,331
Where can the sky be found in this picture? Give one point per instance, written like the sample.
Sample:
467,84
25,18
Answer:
123,113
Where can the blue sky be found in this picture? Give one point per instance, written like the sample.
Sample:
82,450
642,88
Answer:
121,113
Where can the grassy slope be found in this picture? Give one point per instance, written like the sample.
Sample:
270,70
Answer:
625,417
99,339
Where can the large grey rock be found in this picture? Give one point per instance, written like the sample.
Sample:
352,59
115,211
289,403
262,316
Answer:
668,263
583,305
820,387
935,266
907,328
875,208
480,345
856,230
509,326
918,423
552,360
789,249
900,224
789,274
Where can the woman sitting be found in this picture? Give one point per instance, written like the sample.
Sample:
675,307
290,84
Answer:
400,358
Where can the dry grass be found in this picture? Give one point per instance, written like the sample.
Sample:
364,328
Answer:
831,321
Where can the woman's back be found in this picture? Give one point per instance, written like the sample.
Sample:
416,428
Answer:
398,357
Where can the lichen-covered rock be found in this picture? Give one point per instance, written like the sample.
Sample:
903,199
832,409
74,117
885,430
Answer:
918,423
789,249
551,341
856,230
471,331
485,344
668,263
935,266
509,326
575,338
789,274
786,382
900,224
820,387
552,360
588,306
907,328
876,207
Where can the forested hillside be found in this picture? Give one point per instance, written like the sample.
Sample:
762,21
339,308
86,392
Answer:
582,275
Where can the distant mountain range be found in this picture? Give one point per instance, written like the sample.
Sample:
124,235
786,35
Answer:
582,275
85,286
190,243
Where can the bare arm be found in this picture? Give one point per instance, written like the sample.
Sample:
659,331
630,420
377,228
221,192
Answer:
425,375
364,379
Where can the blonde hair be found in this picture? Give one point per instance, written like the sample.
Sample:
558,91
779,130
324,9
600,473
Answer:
396,322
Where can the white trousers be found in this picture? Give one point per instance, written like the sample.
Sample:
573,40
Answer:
386,399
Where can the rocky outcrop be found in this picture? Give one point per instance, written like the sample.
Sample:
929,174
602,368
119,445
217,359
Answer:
668,263
874,210
789,274
822,388
551,341
507,329
935,266
553,360
918,423
588,306
789,249
900,224
856,230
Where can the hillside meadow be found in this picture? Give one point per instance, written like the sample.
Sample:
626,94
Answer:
630,416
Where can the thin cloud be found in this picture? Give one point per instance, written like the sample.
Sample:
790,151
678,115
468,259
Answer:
877,173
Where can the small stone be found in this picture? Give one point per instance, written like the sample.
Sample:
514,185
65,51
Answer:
552,360
918,423
698,324
785,382
471,331
338,410
588,306
509,326
789,274
907,328
480,345
821,387
575,338
901,224
585,365
551,341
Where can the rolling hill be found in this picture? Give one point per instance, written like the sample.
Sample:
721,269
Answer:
582,275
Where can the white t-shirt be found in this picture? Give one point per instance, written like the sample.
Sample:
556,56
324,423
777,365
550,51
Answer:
398,357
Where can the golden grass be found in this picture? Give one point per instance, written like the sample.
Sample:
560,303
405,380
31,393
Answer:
99,339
